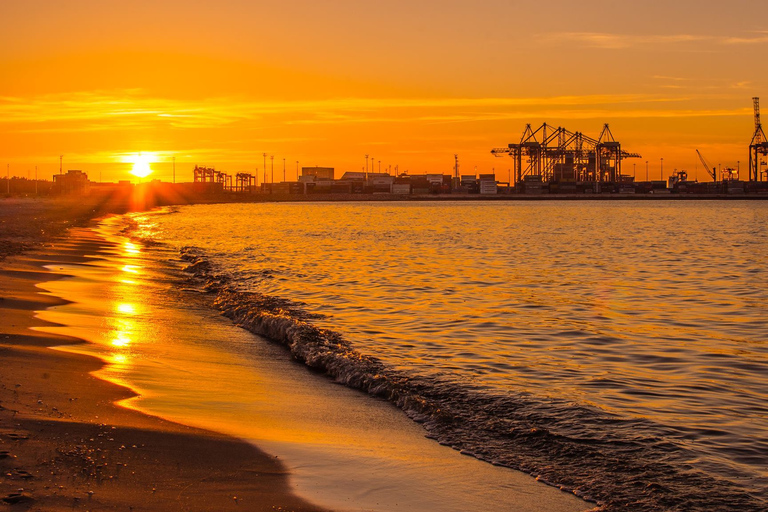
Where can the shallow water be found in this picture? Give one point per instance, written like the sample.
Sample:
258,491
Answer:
571,340
343,449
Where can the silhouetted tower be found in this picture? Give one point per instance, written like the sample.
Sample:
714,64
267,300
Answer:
456,166
758,147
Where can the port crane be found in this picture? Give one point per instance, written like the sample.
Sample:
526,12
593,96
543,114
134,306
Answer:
560,154
759,145
710,169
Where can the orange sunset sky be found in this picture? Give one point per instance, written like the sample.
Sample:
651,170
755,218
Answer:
408,82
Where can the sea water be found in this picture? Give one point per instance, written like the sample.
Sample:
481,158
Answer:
615,349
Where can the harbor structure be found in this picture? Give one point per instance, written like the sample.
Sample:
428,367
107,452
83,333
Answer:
559,155
758,148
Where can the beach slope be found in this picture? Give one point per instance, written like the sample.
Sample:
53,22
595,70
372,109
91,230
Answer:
65,445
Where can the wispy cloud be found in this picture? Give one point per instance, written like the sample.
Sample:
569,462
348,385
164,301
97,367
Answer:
128,110
616,41
133,110
760,38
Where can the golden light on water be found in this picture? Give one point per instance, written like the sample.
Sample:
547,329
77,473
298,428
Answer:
131,248
121,340
126,309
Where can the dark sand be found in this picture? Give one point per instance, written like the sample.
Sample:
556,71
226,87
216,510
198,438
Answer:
64,445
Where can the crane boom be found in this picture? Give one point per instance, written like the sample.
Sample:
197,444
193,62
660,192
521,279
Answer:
711,170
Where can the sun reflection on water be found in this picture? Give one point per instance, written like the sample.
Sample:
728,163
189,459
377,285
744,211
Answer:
126,308
121,340
131,248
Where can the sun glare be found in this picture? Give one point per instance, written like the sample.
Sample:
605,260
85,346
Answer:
141,168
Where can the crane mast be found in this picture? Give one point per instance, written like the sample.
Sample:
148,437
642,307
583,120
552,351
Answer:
758,147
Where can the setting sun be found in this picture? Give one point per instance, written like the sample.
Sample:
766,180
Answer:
141,168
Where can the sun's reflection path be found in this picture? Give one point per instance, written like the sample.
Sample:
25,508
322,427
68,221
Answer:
125,330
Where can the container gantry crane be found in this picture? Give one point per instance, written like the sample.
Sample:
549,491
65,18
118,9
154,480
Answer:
759,145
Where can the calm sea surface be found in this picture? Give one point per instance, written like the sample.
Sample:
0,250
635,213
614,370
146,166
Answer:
620,349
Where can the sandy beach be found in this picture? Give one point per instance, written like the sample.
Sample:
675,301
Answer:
71,437
63,442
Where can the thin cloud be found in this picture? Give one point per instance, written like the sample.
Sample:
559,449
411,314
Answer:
623,41
131,110
97,110
607,40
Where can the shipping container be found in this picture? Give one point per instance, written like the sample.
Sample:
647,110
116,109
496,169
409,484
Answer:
488,187
401,188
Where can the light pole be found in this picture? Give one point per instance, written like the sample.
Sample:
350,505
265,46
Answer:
366,166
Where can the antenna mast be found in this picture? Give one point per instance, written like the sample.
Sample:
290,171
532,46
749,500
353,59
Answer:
456,166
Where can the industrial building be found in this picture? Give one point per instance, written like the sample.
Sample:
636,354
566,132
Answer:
73,182
320,173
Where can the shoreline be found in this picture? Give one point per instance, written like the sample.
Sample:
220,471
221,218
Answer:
238,197
283,406
64,442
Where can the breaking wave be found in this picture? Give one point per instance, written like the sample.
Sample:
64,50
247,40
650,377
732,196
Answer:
616,462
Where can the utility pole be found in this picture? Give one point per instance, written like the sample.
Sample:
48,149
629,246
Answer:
379,166
366,166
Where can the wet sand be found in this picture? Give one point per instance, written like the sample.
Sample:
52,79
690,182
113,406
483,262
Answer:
65,445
